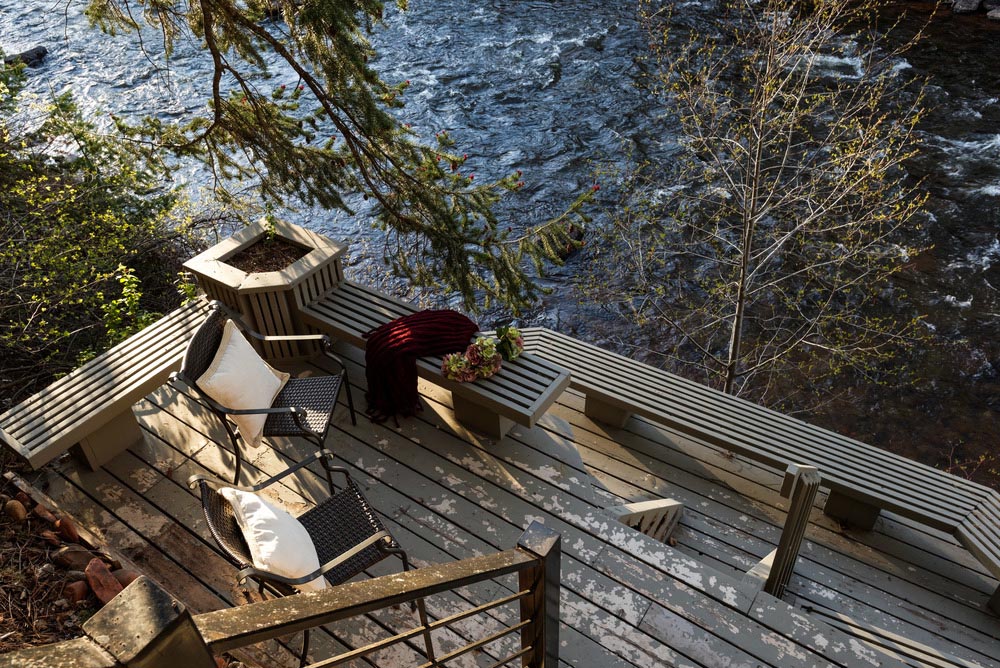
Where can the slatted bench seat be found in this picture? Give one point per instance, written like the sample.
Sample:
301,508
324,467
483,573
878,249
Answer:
519,393
979,532
896,647
862,479
92,406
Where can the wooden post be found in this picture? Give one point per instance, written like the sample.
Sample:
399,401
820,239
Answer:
851,512
775,570
146,627
603,411
114,437
542,605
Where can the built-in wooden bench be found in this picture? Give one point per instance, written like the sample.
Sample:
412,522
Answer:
519,393
862,479
92,406
899,648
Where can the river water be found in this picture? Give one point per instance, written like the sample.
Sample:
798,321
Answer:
549,88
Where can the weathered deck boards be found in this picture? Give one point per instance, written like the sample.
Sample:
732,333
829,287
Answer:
627,601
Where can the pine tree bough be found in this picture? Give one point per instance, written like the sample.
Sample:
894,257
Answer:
332,133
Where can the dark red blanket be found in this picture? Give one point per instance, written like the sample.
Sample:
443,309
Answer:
392,352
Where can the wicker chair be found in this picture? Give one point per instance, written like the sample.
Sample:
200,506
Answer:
348,535
304,407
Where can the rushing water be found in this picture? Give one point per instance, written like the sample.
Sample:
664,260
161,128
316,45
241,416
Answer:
549,87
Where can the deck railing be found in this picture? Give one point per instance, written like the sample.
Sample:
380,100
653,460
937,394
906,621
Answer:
146,627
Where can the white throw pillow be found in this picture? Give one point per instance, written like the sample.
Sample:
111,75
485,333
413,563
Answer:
278,542
238,378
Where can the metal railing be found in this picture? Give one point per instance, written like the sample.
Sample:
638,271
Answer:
145,627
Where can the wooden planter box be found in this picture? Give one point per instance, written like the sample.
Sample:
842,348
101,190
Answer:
270,301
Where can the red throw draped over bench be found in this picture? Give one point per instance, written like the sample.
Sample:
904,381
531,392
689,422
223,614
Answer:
391,357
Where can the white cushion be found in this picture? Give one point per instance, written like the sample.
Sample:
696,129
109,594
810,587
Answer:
278,542
238,378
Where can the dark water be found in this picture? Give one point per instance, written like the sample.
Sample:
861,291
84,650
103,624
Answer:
549,87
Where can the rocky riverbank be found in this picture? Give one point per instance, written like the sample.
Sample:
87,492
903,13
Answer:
990,7
33,57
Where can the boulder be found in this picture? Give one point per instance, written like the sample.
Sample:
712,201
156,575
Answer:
76,591
15,510
32,57
67,530
993,15
104,585
50,537
125,577
72,557
966,6
45,514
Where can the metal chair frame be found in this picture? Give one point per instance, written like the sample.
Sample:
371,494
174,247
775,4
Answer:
201,350
347,532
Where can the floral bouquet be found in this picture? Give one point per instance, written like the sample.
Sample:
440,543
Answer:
483,356
456,367
480,360
511,343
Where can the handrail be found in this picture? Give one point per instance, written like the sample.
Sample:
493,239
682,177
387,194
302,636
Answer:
145,626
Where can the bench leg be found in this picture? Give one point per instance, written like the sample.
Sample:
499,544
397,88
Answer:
121,433
994,602
850,511
480,419
601,411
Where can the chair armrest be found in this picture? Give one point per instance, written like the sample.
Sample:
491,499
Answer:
323,338
194,481
260,411
250,571
274,338
329,355
178,376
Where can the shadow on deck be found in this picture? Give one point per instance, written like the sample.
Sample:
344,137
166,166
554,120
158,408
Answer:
626,600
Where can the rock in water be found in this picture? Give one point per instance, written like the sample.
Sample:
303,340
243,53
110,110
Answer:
965,6
31,57
993,15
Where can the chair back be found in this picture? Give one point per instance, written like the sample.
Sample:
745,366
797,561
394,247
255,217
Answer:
204,344
222,523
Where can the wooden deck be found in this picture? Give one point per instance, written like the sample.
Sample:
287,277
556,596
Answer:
626,601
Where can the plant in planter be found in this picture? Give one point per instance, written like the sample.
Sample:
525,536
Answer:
268,253
265,272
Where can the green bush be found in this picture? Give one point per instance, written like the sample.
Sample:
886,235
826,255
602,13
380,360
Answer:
88,249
